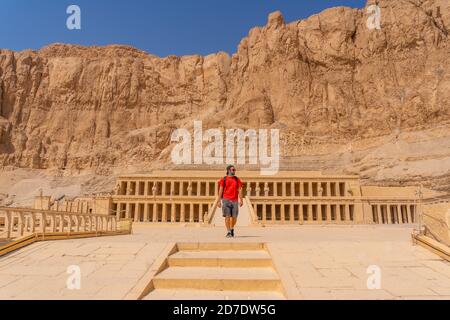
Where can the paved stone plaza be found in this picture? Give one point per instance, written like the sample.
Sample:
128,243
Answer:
314,262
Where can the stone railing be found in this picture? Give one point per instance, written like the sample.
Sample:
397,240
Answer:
19,222
208,218
252,212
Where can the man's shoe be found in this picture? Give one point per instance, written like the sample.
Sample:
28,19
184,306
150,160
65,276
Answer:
228,234
232,233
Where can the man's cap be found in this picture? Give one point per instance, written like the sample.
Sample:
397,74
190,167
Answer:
229,167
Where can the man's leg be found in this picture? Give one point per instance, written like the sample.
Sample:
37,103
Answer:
228,223
233,222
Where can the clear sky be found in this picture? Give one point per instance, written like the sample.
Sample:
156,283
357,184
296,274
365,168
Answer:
160,27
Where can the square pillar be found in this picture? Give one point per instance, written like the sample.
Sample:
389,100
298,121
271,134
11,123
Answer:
191,212
408,212
182,213
291,213
301,212
264,213
379,214
155,212
164,212
146,183
172,212
146,213
127,211
163,192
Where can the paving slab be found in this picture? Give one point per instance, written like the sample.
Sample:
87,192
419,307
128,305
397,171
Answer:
321,262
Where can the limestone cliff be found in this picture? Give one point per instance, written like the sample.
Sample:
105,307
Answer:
346,98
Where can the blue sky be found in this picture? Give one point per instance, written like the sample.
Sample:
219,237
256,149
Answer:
160,27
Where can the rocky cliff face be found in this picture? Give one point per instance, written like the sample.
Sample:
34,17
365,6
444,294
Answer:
346,98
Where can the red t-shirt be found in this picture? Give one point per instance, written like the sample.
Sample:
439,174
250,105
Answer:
231,189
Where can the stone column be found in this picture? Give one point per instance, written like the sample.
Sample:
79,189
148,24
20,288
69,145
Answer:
163,188
328,186
191,212
283,190
300,212
182,213
146,183
53,223
292,189
172,188
69,223
199,188
20,227
136,212
302,189
328,212
310,192
164,212
264,213
43,222
347,212
338,213
61,223
291,212
273,212
172,212
275,189
319,210
155,212
33,222
282,212
189,189
146,213
310,213
77,224
379,214
388,215
127,211
127,188
408,212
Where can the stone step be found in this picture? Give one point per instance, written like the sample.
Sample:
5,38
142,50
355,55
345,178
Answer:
220,246
219,279
166,294
226,259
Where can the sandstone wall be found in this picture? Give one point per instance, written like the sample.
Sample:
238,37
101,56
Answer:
345,97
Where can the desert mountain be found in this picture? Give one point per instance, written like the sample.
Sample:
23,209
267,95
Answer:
345,97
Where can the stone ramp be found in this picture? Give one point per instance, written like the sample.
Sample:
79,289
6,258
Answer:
166,294
244,218
218,271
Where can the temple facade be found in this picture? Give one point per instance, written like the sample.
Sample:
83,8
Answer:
291,197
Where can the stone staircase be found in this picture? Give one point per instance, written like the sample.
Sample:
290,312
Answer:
222,271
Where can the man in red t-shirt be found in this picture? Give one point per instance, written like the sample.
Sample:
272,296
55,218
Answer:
230,191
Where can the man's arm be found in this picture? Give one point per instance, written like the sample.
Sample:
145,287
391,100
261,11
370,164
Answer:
219,203
241,202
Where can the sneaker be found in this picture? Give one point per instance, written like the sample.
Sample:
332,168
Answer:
229,234
232,233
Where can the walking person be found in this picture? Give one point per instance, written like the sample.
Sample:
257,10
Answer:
230,191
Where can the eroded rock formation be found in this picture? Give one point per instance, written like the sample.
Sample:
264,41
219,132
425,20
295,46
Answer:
345,97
